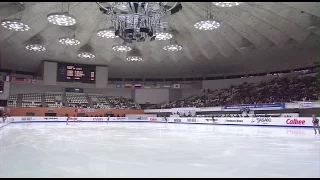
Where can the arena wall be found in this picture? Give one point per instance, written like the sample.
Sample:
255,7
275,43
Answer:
152,96
13,111
16,88
225,83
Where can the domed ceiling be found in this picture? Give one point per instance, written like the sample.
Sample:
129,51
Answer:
252,37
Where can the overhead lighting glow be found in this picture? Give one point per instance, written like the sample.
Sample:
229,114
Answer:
69,41
134,58
172,47
226,4
207,25
107,33
35,47
163,36
86,55
61,19
15,25
121,48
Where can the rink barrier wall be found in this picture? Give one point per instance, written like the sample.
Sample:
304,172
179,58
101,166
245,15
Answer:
245,121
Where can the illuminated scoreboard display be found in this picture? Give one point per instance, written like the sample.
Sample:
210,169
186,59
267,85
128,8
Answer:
76,73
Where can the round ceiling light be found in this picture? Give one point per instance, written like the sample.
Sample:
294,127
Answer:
69,41
226,4
61,19
134,58
15,25
172,47
35,47
121,48
163,36
107,33
207,25
86,55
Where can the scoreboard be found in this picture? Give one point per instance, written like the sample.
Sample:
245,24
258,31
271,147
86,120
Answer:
76,73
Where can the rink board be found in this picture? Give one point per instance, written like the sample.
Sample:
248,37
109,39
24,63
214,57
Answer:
245,121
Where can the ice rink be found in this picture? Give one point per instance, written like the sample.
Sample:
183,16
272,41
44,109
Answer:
157,150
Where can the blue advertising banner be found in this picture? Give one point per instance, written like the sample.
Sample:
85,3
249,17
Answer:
256,106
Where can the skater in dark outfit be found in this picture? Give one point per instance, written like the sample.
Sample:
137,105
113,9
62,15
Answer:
315,123
4,117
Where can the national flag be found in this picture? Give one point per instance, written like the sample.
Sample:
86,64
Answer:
31,81
166,86
7,78
137,85
127,85
156,85
118,85
19,80
176,86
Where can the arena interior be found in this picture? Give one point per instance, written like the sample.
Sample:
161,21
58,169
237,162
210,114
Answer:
159,89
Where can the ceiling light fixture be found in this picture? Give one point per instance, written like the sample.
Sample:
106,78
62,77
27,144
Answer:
107,33
226,4
14,24
69,41
122,48
86,55
161,36
134,58
207,25
61,19
35,47
137,21
134,55
172,47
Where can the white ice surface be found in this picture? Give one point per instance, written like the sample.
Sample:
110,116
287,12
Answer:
157,150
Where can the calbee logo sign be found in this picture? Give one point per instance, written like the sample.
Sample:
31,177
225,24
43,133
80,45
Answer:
72,118
153,119
295,122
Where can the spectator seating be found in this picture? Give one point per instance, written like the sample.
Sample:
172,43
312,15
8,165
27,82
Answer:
301,88
53,100
31,100
12,100
34,97
31,104
77,99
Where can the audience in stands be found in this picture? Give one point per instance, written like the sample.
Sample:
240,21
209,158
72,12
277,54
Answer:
277,90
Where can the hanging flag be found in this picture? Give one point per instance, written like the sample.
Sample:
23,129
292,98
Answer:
118,85
137,85
156,85
1,86
176,86
19,80
147,86
7,78
127,85
31,81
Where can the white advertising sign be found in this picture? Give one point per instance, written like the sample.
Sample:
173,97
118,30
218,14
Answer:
252,121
